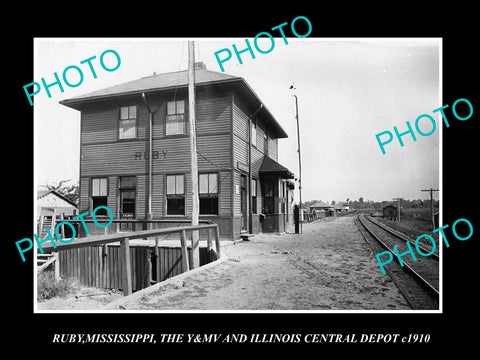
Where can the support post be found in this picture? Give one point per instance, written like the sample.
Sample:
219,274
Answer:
209,240
217,241
126,267
193,152
431,190
183,244
57,265
157,260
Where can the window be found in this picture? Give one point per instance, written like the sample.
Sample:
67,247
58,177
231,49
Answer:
254,133
99,195
269,198
127,128
208,193
254,196
175,194
175,123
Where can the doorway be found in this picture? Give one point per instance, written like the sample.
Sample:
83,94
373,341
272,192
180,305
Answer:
243,203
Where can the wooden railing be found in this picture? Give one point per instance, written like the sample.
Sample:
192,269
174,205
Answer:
309,217
124,239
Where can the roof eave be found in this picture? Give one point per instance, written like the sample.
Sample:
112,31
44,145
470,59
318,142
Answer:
77,103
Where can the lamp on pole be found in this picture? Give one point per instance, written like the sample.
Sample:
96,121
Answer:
299,158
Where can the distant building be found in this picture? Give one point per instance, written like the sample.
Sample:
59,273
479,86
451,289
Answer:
55,202
50,206
320,205
341,207
390,212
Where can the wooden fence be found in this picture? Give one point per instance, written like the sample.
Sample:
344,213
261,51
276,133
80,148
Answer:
309,217
101,267
121,269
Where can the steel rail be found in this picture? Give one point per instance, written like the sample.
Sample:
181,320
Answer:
394,233
422,281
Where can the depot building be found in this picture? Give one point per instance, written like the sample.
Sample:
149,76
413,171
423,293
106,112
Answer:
135,153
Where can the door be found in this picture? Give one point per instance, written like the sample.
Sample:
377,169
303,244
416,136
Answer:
243,203
127,201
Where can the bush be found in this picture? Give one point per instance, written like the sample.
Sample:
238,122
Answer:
48,287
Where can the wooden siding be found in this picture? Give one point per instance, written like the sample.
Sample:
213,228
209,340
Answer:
273,149
240,122
128,157
213,114
225,193
84,194
257,158
240,151
157,196
215,148
141,201
112,194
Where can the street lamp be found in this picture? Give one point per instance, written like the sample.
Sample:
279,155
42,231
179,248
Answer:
299,157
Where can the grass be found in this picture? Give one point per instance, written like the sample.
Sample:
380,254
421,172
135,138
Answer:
413,222
48,287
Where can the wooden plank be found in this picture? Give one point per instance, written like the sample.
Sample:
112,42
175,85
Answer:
125,260
105,272
157,260
164,263
209,240
183,244
117,269
217,240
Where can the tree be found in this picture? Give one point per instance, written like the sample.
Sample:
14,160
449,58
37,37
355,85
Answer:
70,192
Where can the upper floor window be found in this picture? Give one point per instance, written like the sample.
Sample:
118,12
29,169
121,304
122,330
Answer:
127,128
175,122
254,133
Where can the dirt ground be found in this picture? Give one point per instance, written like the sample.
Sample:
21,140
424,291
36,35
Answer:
328,267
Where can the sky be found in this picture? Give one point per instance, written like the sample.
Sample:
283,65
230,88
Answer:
348,91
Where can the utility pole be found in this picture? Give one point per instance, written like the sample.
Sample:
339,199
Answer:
193,153
299,161
398,207
431,190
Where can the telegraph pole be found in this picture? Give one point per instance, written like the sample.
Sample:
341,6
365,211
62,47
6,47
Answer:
398,207
431,190
193,153
299,161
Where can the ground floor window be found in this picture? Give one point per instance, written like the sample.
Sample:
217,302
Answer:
254,196
99,195
176,194
208,193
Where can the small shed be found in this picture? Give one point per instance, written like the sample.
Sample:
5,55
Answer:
390,212
53,200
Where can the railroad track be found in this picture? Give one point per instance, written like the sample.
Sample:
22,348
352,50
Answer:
418,281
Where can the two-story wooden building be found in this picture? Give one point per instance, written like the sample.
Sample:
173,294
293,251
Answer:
135,153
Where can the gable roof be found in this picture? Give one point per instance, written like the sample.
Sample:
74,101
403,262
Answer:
170,81
163,81
321,204
43,193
